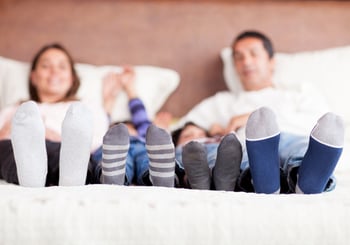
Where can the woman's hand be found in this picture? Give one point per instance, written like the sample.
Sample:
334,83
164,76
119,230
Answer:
111,86
128,81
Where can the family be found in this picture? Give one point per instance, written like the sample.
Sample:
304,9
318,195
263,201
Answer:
55,139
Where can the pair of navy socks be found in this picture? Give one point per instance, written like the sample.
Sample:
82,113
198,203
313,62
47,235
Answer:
324,150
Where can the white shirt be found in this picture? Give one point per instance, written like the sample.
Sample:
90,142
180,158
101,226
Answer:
296,111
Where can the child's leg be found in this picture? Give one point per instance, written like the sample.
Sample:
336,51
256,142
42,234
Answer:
161,154
228,162
194,158
114,153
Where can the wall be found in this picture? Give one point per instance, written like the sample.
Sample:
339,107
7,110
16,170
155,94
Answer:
183,35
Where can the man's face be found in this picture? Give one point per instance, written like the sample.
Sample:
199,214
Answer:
252,63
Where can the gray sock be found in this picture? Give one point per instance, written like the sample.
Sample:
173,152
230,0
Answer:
329,130
77,130
228,162
262,124
194,158
161,154
115,149
28,142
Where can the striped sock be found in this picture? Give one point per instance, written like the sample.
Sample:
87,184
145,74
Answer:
115,149
161,154
77,131
28,142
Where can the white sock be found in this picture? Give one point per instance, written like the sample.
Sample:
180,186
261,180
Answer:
77,129
28,143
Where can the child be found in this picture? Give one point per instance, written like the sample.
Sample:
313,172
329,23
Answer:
208,161
127,153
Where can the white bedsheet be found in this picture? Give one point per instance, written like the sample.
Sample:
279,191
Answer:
105,214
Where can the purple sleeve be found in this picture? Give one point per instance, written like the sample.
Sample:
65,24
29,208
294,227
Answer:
139,116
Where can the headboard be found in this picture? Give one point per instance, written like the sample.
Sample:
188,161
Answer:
186,36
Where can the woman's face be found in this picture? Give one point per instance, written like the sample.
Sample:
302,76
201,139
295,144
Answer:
52,76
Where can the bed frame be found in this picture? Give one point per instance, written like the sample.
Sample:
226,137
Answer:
182,35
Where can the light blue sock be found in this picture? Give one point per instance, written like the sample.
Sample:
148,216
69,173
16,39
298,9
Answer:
262,141
322,155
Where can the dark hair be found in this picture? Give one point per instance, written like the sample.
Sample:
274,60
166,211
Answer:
255,34
76,81
176,134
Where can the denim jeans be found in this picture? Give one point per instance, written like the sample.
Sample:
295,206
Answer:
211,149
136,169
292,149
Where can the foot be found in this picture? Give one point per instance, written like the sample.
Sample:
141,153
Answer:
114,152
262,142
161,154
194,158
77,132
28,143
228,162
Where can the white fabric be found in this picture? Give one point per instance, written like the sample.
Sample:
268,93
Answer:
153,84
297,112
53,115
327,70
106,214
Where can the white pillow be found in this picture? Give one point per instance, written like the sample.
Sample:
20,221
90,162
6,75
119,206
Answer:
153,84
327,70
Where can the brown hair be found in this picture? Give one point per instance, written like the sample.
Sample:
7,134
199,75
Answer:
71,94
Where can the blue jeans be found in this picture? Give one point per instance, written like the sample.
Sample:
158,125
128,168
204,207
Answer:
292,149
211,154
137,163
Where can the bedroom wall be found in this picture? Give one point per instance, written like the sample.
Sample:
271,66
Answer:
183,35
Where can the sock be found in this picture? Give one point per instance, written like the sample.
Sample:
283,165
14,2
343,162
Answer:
28,142
76,136
161,154
194,158
115,149
262,141
228,163
322,155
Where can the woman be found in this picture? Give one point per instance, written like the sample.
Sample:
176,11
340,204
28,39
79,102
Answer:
53,85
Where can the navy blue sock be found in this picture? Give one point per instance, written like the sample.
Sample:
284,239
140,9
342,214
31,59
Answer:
264,164
317,166
324,150
262,142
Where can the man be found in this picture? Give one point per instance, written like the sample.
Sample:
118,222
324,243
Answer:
258,115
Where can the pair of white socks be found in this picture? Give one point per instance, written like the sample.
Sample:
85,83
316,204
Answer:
28,142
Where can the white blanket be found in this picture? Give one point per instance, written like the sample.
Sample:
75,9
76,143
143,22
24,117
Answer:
106,214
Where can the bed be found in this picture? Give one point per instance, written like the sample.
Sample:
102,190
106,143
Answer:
180,43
